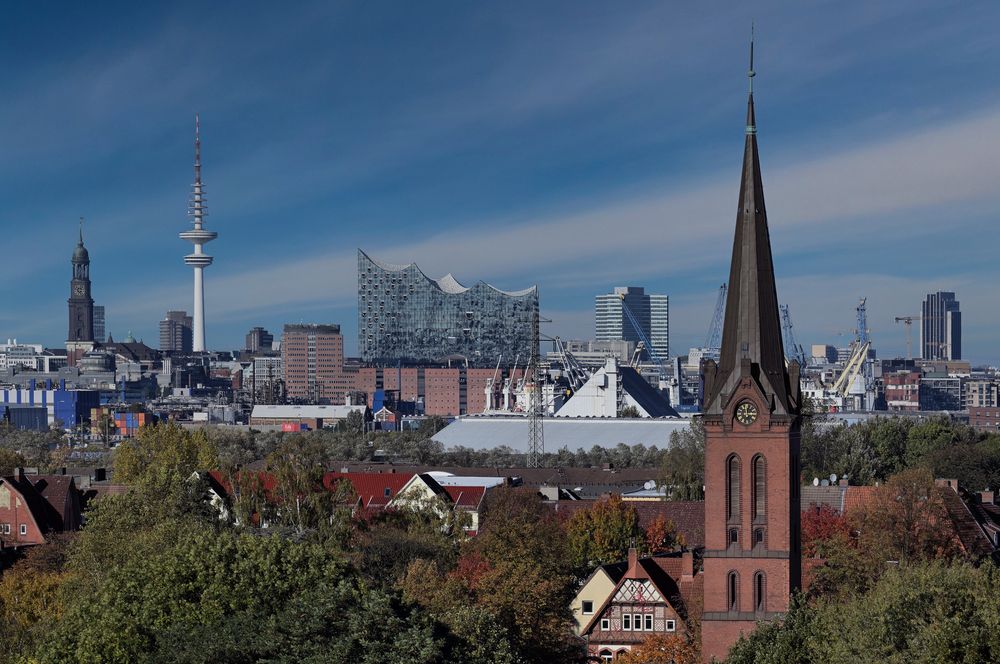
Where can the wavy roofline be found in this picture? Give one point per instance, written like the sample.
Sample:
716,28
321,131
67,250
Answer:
448,283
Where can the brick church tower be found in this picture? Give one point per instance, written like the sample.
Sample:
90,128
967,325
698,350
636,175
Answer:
752,559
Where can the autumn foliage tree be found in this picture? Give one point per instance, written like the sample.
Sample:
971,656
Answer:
662,649
603,533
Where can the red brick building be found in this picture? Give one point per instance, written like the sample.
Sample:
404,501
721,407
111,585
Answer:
33,506
475,389
902,391
752,558
986,418
442,392
313,363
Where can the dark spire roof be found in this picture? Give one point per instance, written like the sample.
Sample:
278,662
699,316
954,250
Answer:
751,336
80,254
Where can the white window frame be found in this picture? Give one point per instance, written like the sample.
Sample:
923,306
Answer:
648,622
6,528
627,622
671,626
583,607
637,622
605,624
24,529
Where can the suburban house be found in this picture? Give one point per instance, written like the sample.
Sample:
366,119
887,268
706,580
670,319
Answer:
373,493
622,604
34,506
466,496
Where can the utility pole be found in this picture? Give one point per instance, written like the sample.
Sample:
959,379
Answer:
536,436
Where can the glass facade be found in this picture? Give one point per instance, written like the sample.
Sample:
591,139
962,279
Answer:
405,316
652,312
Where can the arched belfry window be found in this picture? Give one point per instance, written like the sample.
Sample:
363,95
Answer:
759,487
732,591
759,593
733,488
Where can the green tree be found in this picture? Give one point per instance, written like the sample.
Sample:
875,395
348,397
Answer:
9,461
682,474
163,453
603,534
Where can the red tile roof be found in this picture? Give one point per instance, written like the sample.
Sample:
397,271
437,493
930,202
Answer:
466,497
373,489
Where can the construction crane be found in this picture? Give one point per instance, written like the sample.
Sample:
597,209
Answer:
644,339
713,342
908,321
793,350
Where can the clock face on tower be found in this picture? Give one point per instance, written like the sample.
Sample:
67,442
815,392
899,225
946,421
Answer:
79,289
746,413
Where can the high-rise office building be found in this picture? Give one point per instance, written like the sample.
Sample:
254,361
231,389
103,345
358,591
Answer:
652,313
313,363
940,327
100,332
259,339
176,332
405,316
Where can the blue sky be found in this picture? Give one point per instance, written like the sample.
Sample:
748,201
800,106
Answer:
576,145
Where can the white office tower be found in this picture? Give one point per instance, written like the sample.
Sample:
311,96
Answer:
198,260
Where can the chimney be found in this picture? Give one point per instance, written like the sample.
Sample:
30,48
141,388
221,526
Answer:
687,565
633,557
843,481
986,497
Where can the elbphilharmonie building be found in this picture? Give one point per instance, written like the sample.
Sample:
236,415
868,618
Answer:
406,317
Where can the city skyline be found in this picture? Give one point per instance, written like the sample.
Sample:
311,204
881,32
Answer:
539,187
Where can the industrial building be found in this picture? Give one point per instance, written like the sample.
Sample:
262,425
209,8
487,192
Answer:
651,313
487,432
612,389
406,317
69,407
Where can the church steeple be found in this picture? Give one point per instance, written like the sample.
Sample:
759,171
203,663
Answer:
751,336
81,305
752,560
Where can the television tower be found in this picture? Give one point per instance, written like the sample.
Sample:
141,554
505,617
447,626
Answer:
198,236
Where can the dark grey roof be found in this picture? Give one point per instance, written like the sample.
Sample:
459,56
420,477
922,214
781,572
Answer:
751,335
644,394
487,432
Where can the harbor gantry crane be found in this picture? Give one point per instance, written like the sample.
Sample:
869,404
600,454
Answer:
908,321
713,343
859,363
793,349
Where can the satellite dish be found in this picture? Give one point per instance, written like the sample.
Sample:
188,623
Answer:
650,485
833,478
815,481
